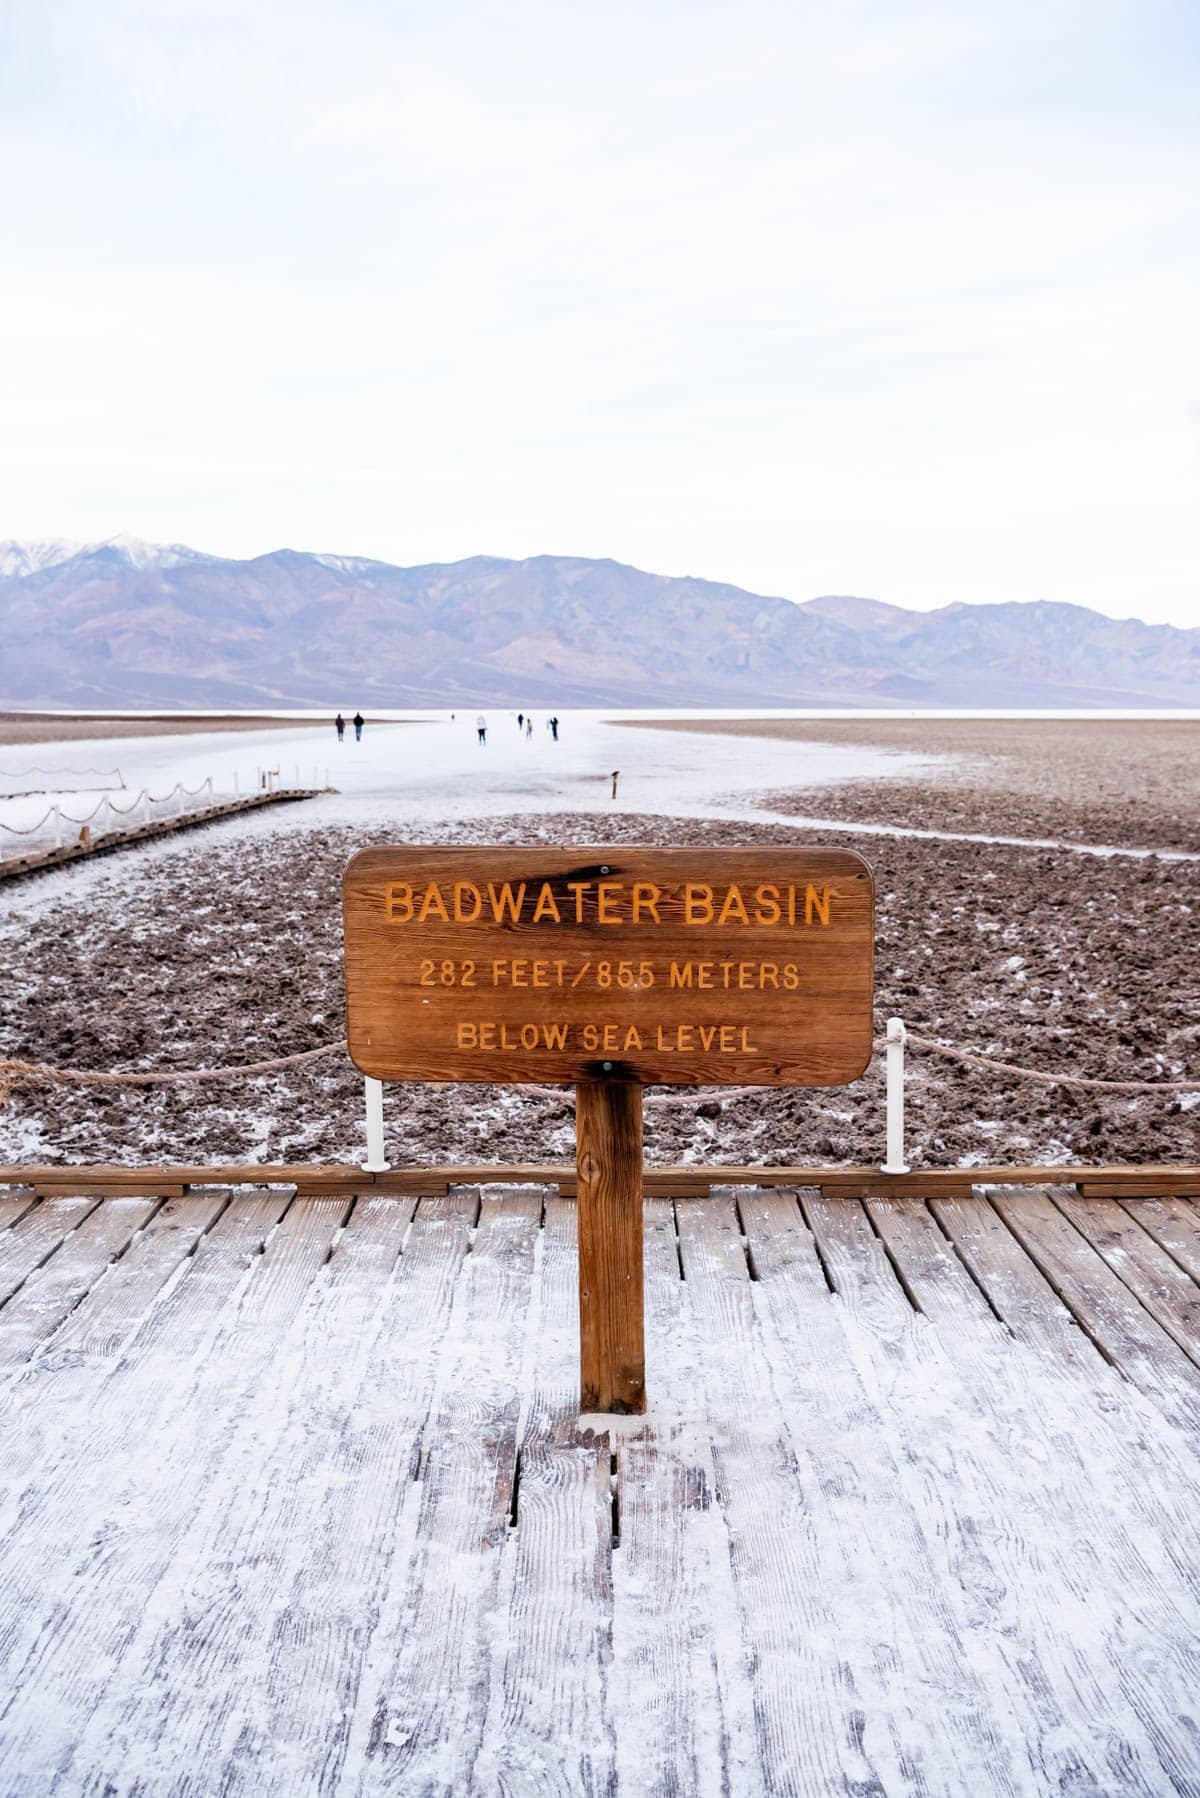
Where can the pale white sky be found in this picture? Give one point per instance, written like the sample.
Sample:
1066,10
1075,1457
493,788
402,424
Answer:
813,297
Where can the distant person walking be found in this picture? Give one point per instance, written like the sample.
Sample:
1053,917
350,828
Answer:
481,727
359,721
520,720
554,729
528,728
339,725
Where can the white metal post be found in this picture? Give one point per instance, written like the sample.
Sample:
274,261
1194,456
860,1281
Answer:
376,1162
104,821
895,1163
235,784
210,789
57,826
146,805
182,796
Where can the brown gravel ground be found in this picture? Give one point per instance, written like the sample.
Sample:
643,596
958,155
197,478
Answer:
1129,781
207,954
33,727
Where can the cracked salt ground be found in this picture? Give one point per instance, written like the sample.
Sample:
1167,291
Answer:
105,969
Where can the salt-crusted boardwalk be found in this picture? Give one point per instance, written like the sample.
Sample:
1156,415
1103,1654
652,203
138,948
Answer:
294,1498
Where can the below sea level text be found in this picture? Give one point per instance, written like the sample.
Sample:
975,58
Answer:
610,1039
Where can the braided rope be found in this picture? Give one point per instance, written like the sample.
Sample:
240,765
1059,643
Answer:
98,807
16,831
989,1065
124,811
37,768
40,1073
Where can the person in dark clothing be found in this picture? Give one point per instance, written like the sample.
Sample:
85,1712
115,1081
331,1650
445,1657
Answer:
520,721
481,727
554,729
339,725
359,721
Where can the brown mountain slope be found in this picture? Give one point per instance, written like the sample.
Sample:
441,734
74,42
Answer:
113,625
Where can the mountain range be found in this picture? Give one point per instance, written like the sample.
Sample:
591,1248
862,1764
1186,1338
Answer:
128,625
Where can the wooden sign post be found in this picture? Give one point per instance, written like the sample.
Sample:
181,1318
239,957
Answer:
610,969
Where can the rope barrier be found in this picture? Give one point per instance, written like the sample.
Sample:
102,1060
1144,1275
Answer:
24,773
989,1065
34,1073
40,1073
121,811
16,831
98,807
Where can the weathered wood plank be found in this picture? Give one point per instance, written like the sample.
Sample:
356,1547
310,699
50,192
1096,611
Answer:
14,1205
1103,1305
281,1496
680,1676
809,1729
33,1238
1031,1309
1026,1612
1173,1223
424,1707
129,1288
322,1546
57,1391
1017,1289
1139,1669
1170,1295
52,1291
326,1630
548,1727
50,1405
116,1507
887,1562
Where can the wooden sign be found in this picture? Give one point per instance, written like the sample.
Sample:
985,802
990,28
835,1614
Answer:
610,968
681,967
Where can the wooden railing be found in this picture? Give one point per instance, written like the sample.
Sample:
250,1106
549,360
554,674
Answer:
110,1180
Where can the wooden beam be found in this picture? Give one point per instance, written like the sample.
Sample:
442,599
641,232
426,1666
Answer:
1155,1181
1138,1189
612,1350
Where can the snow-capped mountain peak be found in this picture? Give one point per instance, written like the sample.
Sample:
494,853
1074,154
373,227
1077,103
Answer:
18,558
30,556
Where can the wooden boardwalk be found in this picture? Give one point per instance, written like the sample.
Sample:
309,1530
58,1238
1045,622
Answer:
37,861
294,1498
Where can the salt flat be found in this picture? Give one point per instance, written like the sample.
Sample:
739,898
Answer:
437,768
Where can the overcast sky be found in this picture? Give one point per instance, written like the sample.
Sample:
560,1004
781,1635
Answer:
812,297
